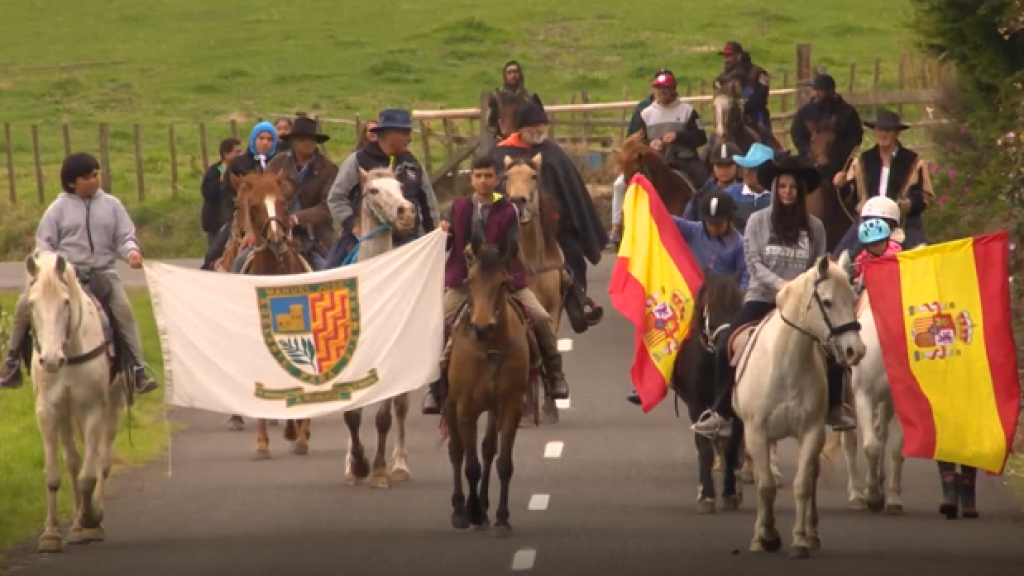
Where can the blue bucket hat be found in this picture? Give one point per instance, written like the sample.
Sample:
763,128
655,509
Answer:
393,119
756,156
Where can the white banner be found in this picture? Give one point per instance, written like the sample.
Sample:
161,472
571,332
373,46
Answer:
306,345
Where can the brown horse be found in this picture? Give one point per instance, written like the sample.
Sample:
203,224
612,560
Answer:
277,253
636,156
541,256
835,214
383,211
489,371
729,123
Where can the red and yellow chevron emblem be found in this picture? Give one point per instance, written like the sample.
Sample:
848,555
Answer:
329,316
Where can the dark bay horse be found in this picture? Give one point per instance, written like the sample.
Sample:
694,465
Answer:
489,371
836,213
277,253
718,301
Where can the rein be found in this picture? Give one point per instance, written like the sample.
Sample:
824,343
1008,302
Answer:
833,331
81,358
353,256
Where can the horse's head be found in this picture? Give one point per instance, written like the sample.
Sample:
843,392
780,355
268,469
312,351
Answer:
728,104
489,287
630,158
718,300
823,134
268,207
508,112
384,202
53,290
522,184
828,306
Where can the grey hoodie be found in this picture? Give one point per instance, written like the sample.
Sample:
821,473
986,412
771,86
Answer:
91,233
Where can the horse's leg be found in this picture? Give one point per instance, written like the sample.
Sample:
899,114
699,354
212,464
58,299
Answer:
467,424
766,537
46,419
489,449
380,477
92,429
300,445
236,424
747,472
813,539
111,425
457,455
531,400
776,472
854,480
874,447
705,460
357,466
803,489
508,418
893,498
732,490
73,463
262,440
400,469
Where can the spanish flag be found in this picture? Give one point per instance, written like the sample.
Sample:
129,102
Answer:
943,319
653,284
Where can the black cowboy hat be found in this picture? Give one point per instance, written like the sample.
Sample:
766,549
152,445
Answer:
886,120
305,128
393,119
795,166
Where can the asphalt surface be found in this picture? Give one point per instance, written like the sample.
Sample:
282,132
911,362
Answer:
616,488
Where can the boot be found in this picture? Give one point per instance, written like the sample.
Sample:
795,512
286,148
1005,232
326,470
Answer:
573,301
432,399
11,376
950,490
634,398
968,505
839,417
143,383
557,387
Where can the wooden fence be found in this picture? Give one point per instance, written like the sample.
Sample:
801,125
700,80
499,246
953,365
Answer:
447,139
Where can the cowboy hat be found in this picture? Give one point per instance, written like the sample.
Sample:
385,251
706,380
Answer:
886,120
795,166
755,157
393,119
305,128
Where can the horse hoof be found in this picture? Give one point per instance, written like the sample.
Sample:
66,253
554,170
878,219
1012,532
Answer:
894,509
300,449
50,544
949,511
799,552
771,544
351,479
400,475
236,425
706,506
502,530
76,537
731,503
97,534
875,505
970,514
481,524
361,468
381,481
814,543
857,503
747,477
261,454
460,521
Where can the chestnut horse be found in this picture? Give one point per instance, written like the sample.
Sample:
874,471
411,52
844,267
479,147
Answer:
277,253
489,371
540,254
636,156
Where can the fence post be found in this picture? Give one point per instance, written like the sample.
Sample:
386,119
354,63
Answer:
174,161
40,186
203,153
803,73
428,162
140,179
66,130
105,175
234,129
10,162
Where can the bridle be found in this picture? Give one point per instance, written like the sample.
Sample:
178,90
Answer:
829,343
72,329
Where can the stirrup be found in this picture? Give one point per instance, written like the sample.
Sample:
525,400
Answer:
704,417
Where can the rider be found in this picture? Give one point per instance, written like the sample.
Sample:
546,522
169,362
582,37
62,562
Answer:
513,83
827,111
262,147
581,235
781,242
892,170
725,175
92,230
497,220
389,150
876,237
311,175
754,80
675,129
749,195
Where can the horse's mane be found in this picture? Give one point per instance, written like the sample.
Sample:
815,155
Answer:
634,150
380,173
48,280
801,289
489,260
549,215
720,292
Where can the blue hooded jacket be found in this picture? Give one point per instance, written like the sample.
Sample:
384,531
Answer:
259,129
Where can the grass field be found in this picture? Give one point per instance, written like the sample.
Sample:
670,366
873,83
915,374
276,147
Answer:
185,62
22,486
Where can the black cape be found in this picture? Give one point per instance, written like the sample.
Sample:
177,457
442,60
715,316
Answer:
560,178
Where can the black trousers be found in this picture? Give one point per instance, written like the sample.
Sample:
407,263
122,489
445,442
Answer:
216,244
574,259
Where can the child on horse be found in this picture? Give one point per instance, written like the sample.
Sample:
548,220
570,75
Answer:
492,216
875,236
725,174
91,229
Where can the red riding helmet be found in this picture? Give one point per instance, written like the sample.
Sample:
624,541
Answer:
664,79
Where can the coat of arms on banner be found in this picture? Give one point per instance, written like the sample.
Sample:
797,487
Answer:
311,330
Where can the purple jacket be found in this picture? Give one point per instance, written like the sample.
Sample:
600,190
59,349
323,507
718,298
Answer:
501,228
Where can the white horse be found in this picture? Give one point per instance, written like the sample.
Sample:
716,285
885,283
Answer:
781,391
384,210
875,420
71,375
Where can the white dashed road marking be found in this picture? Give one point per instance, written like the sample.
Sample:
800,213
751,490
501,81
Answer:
523,560
539,502
564,404
565,344
553,449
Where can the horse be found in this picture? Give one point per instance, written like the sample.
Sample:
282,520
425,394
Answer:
827,205
729,123
79,389
781,389
383,211
672,186
540,254
876,413
277,253
489,371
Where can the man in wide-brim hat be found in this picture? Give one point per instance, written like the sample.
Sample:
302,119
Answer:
311,175
889,169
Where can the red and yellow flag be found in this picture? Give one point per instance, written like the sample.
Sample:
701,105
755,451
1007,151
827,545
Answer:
943,319
653,285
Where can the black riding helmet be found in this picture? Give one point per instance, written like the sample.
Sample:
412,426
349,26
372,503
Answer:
717,207
723,153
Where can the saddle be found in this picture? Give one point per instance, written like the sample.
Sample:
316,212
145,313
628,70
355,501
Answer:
524,317
738,341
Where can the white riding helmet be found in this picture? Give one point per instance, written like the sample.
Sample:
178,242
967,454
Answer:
880,207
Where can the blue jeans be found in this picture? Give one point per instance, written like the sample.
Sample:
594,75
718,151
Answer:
240,260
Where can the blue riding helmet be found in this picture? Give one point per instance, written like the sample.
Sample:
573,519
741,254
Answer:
872,231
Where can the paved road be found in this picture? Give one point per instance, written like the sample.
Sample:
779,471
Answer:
616,490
